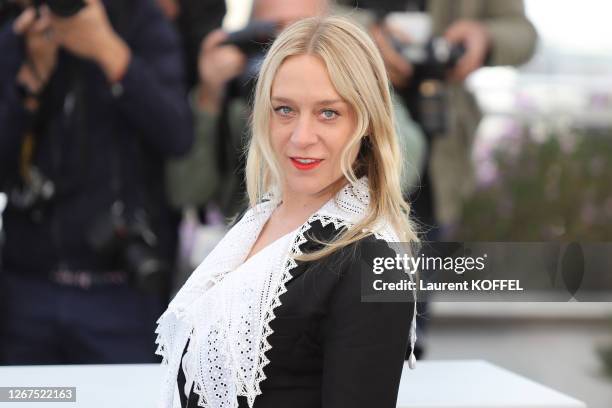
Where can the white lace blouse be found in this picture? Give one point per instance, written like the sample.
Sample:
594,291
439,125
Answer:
235,304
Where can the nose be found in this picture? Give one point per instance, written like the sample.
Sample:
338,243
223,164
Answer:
304,133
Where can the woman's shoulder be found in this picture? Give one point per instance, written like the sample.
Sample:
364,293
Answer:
366,249
362,273
353,259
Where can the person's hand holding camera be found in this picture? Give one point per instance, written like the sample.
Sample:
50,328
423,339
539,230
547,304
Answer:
399,69
217,65
41,51
89,34
476,39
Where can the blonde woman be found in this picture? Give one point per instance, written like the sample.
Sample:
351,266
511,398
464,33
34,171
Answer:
273,316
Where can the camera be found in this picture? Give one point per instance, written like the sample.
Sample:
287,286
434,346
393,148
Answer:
127,241
62,8
431,60
252,42
431,57
32,194
253,38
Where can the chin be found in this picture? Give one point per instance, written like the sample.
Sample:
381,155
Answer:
305,184
308,184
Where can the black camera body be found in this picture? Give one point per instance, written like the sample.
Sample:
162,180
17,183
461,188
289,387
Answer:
62,8
128,241
433,59
253,38
426,95
431,62
33,194
252,41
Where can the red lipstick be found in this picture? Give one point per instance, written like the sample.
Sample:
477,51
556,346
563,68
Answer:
302,165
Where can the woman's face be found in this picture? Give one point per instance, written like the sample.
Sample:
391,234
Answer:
310,126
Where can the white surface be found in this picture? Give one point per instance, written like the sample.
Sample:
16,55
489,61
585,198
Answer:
439,384
97,386
523,310
474,384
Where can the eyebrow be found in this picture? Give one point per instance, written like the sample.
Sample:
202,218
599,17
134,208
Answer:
322,102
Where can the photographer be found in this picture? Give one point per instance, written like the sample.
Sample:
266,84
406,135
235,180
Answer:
429,48
92,103
478,33
194,19
213,170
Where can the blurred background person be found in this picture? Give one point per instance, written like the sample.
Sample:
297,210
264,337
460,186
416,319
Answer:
430,47
213,171
194,19
92,103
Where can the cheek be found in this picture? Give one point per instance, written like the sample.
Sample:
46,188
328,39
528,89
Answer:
279,136
338,139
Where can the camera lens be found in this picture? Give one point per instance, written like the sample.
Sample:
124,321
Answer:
65,8
148,271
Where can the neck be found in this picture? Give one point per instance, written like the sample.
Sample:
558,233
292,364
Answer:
301,206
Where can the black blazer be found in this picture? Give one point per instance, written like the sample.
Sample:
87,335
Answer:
329,349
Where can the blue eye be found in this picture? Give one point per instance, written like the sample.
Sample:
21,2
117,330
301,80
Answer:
329,114
283,110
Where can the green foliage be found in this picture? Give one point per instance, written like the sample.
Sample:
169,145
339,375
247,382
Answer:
557,186
606,357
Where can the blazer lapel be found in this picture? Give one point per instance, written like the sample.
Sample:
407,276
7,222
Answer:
348,207
316,232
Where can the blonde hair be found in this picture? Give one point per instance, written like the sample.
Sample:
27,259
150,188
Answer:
358,73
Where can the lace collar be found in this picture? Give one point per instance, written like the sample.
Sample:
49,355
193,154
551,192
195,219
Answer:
185,316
